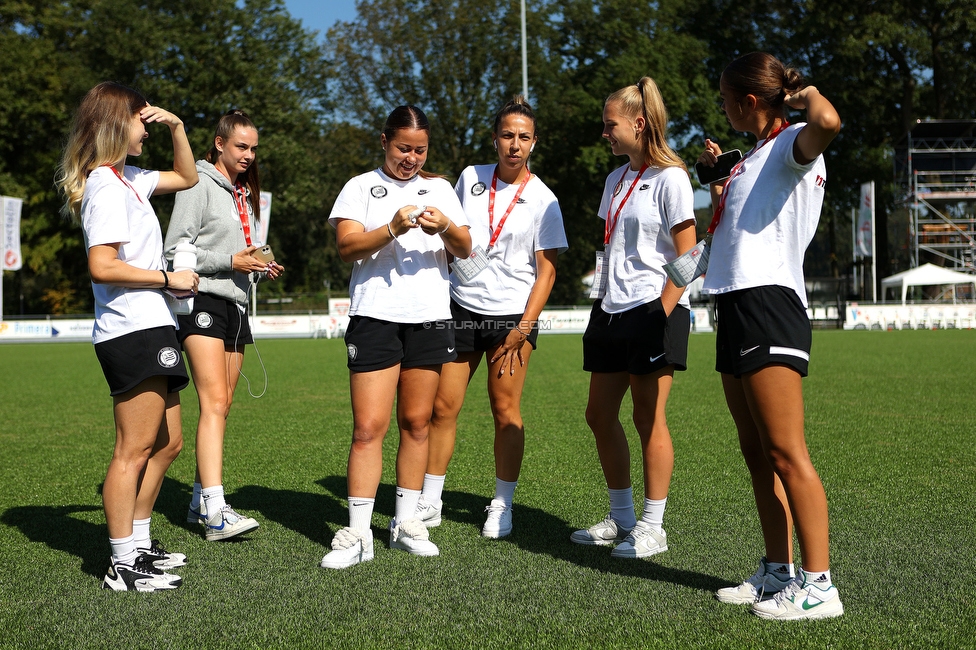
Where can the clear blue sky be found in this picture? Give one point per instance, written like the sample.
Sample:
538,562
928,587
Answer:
320,15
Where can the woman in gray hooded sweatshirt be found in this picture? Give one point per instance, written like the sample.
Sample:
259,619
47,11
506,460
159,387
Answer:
218,216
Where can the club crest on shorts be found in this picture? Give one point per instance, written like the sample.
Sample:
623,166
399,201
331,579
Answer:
378,191
352,351
478,189
204,320
168,357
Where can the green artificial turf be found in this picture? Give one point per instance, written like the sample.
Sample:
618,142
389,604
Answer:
889,426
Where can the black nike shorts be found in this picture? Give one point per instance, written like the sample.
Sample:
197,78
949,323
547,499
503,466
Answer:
639,341
373,344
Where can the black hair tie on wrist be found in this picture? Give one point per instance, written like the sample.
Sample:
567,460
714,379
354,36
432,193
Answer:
165,279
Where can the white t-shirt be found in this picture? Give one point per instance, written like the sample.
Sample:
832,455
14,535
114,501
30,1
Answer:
534,224
406,281
763,234
641,243
113,213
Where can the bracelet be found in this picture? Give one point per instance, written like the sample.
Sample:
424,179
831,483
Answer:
517,329
446,228
390,228
165,279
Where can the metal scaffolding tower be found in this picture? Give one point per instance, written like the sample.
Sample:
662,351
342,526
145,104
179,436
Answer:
935,166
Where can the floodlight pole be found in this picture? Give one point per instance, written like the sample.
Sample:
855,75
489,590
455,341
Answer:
525,63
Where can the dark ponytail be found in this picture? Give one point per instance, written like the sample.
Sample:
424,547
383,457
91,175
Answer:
763,75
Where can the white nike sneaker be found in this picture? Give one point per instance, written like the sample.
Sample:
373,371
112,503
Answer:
643,541
349,547
429,513
605,533
411,536
802,599
498,523
760,585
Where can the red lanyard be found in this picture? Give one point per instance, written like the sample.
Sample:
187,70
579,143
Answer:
240,200
124,182
495,232
735,172
612,222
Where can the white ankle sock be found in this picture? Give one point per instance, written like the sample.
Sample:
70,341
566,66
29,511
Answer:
654,513
505,491
140,533
622,507
214,498
123,549
433,488
781,570
197,497
406,504
819,578
360,513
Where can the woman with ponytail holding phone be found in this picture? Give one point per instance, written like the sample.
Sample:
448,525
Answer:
766,214
638,331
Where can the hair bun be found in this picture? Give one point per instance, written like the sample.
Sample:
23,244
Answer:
793,81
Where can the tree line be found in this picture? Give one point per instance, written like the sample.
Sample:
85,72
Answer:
319,102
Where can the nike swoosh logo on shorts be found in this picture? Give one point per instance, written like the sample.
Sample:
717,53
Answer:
743,353
653,359
450,350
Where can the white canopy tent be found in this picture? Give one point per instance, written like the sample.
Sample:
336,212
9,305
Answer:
926,275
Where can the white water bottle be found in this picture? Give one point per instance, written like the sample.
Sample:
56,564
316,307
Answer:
184,259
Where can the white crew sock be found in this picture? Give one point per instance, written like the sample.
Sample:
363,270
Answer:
654,513
123,549
360,513
433,488
197,497
782,570
505,491
140,533
622,507
406,504
214,498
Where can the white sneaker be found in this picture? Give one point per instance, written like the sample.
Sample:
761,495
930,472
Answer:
228,523
604,533
349,547
643,541
762,584
499,522
197,515
412,536
801,599
428,513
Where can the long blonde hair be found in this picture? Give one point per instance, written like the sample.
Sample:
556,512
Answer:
644,99
99,136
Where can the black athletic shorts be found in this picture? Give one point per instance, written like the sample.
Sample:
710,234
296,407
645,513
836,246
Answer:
639,341
217,318
373,344
474,332
761,326
129,360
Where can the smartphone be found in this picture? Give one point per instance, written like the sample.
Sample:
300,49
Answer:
722,169
264,254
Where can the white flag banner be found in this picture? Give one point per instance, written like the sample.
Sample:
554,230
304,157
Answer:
12,260
265,216
864,246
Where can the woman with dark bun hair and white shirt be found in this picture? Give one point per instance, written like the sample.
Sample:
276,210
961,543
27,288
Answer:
397,225
766,214
496,298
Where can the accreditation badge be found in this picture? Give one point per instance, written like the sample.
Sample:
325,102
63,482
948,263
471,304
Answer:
684,269
470,266
599,288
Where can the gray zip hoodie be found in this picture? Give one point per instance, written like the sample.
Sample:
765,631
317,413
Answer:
205,215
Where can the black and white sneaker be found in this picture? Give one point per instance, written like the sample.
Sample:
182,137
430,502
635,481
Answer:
141,575
161,558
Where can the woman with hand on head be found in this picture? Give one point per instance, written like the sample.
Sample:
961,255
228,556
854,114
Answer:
766,215
638,331
397,225
218,217
135,332
496,298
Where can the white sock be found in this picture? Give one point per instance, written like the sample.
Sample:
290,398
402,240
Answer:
214,498
622,507
505,491
433,488
140,533
197,497
654,513
782,570
820,578
123,549
406,504
360,513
